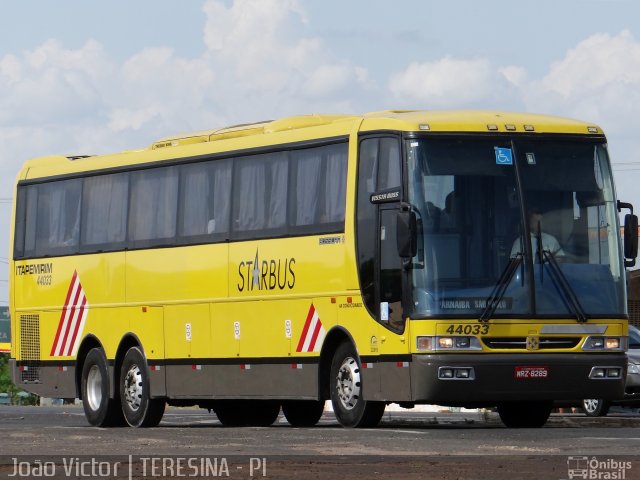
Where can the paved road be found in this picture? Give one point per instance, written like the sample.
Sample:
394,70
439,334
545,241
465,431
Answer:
405,445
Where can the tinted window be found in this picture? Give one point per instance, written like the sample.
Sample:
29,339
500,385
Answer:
282,193
205,199
260,194
320,186
104,210
154,205
57,214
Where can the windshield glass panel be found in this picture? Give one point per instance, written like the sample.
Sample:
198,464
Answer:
473,217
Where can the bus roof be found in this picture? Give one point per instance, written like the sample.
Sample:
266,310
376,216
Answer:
308,127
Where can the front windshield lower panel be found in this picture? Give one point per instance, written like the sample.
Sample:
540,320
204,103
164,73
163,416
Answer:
478,198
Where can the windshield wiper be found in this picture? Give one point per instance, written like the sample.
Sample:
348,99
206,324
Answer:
500,288
564,286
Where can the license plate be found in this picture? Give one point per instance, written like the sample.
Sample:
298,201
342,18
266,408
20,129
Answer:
526,373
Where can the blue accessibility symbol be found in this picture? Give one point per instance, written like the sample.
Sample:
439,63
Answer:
503,156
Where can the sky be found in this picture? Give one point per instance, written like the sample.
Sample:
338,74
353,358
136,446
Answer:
79,77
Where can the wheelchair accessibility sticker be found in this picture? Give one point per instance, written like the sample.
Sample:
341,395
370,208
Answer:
503,156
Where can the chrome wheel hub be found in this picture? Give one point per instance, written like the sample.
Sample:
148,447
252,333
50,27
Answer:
94,388
590,404
348,383
133,388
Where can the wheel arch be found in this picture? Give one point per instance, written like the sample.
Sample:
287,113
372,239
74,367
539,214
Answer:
335,337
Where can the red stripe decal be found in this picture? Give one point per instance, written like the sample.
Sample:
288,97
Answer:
314,338
64,311
77,327
70,324
303,336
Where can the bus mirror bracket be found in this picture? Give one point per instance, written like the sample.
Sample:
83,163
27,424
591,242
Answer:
406,233
630,235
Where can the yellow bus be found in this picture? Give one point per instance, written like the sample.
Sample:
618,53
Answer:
365,260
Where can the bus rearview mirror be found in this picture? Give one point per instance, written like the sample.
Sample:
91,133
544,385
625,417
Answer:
630,239
406,234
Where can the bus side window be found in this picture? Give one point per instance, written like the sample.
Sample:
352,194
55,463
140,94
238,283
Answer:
205,200
153,210
260,195
104,210
318,199
58,217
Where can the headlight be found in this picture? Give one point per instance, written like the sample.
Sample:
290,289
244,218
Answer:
448,343
424,343
633,368
605,344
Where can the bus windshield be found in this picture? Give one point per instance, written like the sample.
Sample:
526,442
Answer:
478,200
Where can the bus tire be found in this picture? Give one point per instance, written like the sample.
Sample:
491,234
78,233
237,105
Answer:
263,413
346,389
302,413
595,407
229,413
100,410
525,414
140,410
247,413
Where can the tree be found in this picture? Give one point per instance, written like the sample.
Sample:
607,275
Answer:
6,386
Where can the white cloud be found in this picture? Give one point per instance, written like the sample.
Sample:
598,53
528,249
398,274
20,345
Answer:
260,47
514,75
53,84
595,63
258,62
10,70
598,80
452,82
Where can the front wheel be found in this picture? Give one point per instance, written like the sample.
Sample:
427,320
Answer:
100,410
595,407
140,410
525,414
346,386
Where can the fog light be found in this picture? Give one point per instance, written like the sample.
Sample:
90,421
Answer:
456,373
446,373
597,373
613,372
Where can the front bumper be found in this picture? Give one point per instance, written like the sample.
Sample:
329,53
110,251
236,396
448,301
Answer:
494,378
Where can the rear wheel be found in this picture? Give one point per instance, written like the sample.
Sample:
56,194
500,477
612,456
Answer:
302,413
525,414
346,387
140,410
595,407
100,410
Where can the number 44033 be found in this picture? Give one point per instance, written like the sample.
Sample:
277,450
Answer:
468,329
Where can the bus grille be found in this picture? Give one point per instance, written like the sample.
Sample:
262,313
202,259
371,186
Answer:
520,343
30,348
